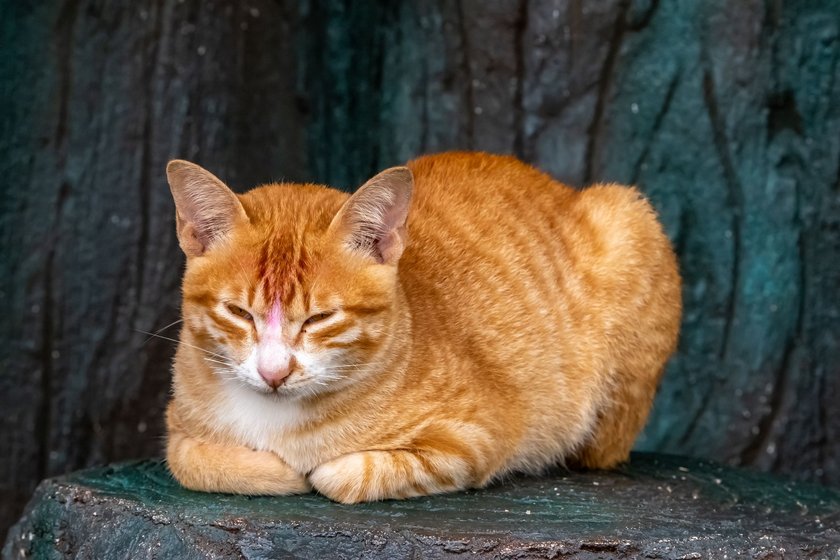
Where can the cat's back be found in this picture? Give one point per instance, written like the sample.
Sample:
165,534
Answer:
477,217
483,223
473,209
485,255
478,189
496,243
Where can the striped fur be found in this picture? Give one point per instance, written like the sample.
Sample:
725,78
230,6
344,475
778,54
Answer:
510,324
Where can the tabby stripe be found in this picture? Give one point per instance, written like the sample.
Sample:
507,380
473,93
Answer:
440,441
451,231
226,325
443,479
361,343
524,236
403,471
363,310
333,330
204,299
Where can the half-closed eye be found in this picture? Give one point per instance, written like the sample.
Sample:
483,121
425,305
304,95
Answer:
239,312
318,317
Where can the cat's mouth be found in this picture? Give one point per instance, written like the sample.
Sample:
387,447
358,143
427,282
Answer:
300,383
296,385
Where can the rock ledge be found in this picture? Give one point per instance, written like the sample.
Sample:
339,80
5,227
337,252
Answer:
657,506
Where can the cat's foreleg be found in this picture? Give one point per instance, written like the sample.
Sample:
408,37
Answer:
391,474
210,467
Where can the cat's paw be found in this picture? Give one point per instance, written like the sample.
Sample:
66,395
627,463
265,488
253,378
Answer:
369,476
211,467
343,479
270,475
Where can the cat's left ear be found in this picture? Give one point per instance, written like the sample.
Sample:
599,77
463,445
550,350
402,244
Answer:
373,220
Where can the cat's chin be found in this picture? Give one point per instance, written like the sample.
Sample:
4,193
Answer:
295,392
279,394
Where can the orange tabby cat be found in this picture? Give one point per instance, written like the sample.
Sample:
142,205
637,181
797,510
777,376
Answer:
454,320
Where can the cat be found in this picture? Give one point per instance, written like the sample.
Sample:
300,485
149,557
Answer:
455,320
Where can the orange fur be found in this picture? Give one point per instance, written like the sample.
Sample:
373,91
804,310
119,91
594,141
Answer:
512,324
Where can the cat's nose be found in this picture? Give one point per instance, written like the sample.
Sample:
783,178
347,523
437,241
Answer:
274,377
274,362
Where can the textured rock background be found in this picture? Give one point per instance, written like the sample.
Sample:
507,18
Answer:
657,507
725,113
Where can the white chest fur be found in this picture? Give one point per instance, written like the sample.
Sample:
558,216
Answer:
256,421
268,424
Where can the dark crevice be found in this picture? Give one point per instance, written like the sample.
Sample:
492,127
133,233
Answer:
43,423
765,425
518,103
823,421
575,16
780,386
44,419
693,424
700,409
657,124
605,81
467,72
735,200
783,114
144,184
63,48
642,22
97,361
681,239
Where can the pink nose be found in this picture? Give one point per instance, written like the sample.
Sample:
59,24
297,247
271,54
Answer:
275,377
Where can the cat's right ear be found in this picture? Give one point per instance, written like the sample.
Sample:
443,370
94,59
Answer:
206,210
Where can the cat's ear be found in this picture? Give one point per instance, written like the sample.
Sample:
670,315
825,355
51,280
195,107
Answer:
372,221
206,210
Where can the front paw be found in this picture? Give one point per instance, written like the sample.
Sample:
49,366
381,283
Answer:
211,467
270,475
343,479
368,476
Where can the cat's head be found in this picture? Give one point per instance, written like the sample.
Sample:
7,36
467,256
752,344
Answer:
289,289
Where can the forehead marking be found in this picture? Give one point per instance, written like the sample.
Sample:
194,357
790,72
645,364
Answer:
282,266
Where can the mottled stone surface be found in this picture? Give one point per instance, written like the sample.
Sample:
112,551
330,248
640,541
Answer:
656,507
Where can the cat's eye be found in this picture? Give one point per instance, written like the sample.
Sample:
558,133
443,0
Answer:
318,317
236,310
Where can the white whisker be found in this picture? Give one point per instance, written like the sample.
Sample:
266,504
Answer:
154,335
228,363
172,324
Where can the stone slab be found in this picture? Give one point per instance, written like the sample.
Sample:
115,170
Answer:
657,506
